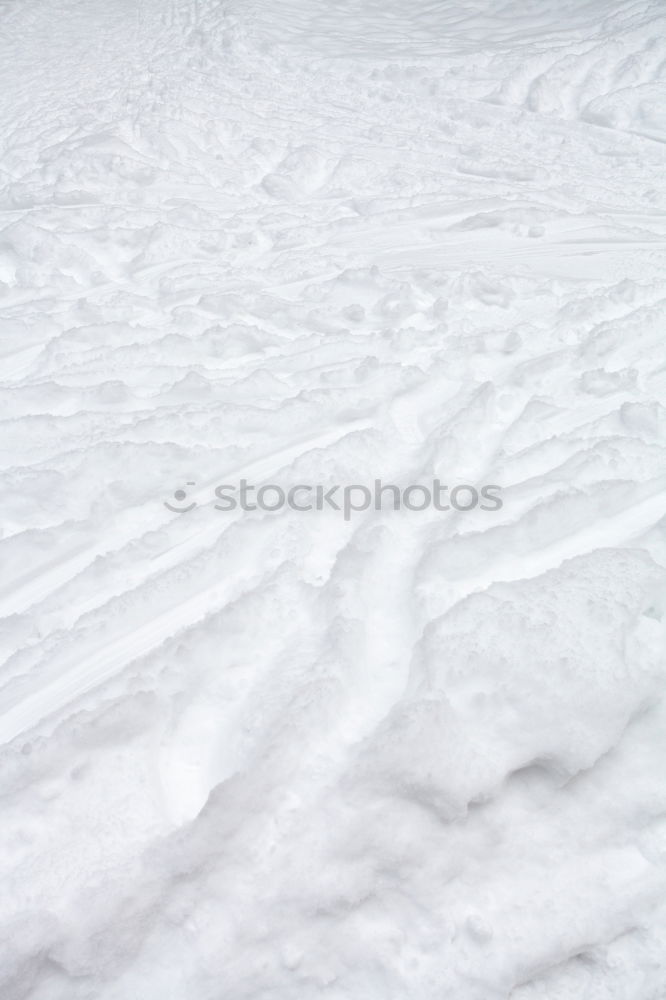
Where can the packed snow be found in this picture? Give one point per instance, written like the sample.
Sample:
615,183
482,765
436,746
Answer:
357,754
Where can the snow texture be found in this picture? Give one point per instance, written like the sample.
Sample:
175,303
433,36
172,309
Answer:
285,755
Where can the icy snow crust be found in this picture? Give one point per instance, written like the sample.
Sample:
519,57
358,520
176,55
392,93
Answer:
281,756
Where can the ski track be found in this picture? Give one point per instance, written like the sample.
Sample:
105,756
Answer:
252,755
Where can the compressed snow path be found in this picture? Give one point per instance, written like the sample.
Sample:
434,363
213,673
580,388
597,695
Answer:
283,756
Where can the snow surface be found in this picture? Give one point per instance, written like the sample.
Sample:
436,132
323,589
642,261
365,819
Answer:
407,756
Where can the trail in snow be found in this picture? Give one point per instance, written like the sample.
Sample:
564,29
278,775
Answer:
412,754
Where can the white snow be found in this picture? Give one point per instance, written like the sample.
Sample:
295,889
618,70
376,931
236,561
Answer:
281,756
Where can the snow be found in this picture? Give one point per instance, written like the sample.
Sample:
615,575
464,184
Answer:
400,755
